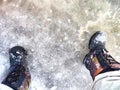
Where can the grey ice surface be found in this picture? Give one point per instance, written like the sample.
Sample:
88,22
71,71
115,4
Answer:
56,34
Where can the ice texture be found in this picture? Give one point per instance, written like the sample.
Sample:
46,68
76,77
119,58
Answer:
56,35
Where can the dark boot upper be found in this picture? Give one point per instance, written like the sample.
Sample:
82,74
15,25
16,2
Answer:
17,54
97,40
98,60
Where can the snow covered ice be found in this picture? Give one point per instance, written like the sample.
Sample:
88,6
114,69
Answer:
101,37
56,34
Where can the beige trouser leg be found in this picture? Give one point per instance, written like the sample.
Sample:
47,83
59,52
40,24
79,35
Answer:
107,81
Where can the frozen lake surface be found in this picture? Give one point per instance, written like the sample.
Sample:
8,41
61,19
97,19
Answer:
56,35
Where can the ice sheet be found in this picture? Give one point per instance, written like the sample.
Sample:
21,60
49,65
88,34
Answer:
56,35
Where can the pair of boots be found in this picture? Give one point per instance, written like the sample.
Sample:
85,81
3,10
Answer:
18,77
98,60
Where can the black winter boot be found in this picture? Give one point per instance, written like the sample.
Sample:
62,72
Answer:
98,60
18,77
